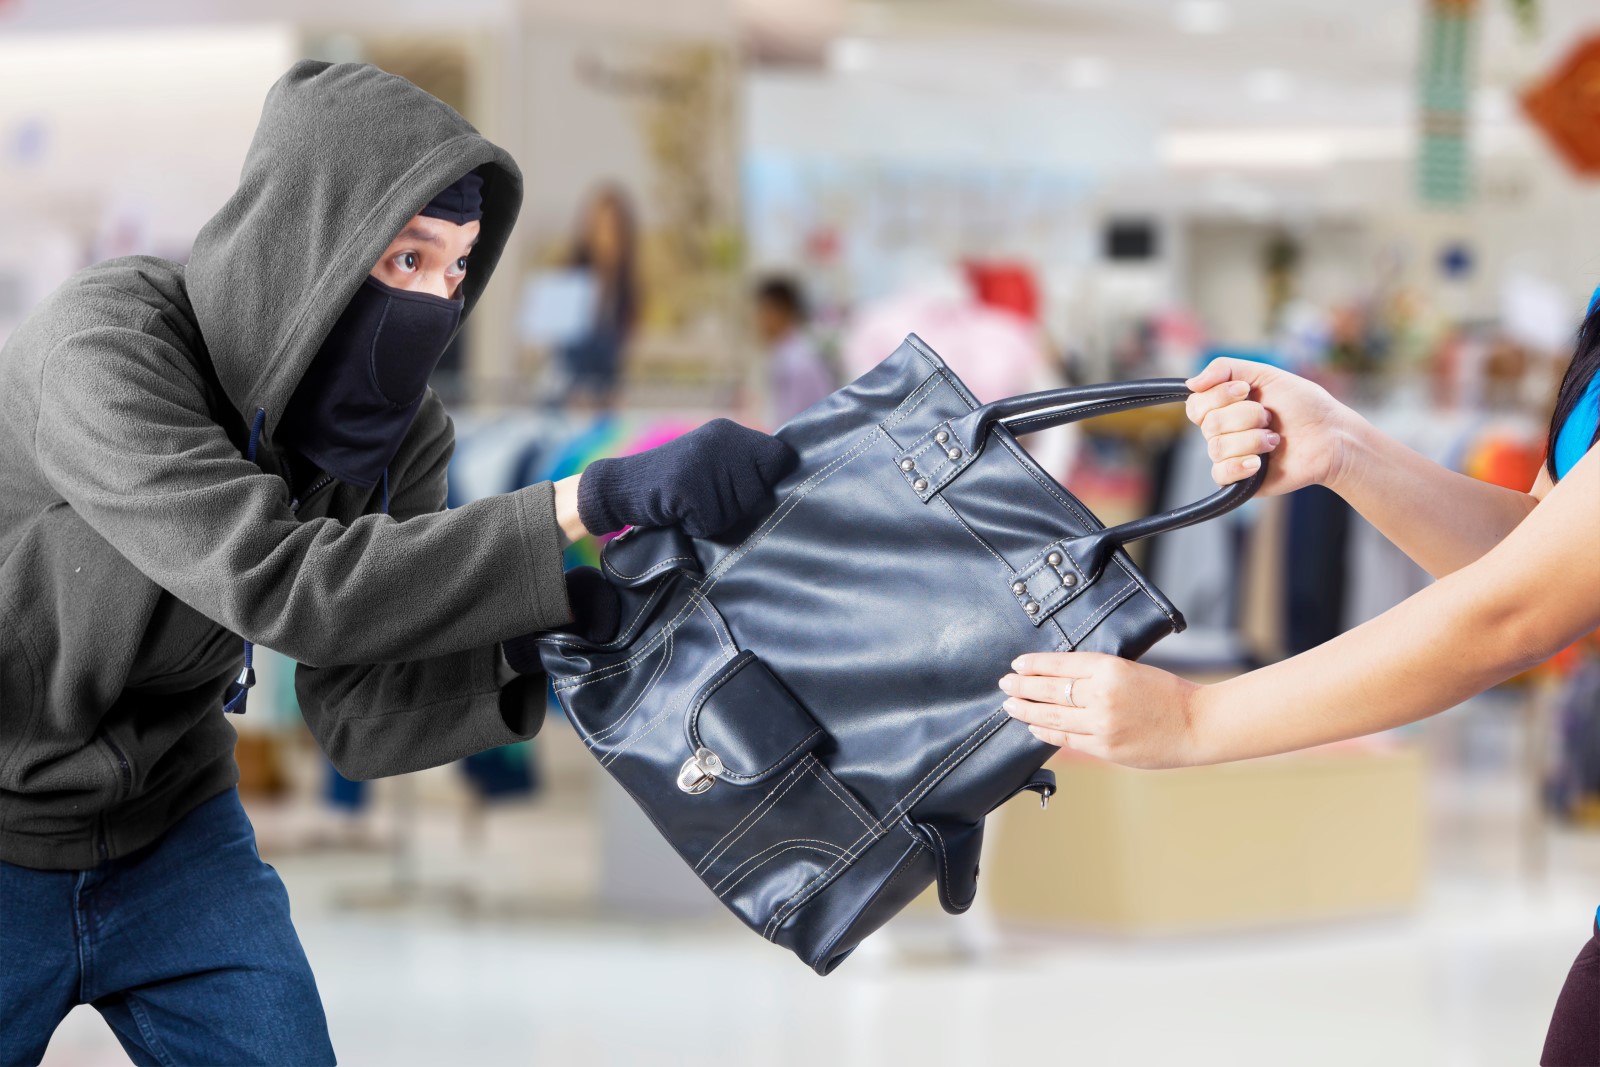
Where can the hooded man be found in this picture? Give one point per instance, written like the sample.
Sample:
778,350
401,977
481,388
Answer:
246,447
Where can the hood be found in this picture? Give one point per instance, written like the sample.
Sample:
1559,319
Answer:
343,157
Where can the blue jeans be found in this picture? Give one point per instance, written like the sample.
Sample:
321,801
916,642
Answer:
184,947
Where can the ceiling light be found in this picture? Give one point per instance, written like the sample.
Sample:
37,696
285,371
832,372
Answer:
1201,16
1087,72
850,54
1269,85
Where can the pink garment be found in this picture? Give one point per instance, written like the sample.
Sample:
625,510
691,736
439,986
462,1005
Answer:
998,354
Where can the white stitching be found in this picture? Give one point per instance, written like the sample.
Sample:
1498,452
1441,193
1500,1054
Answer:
816,885
606,559
1119,598
784,785
723,894
902,413
830,847
974,534
961,751
698,699
1090,524
773,521
901,867
718,628
578,681
847,805
812,736
787,508
694,683
561,640
648,686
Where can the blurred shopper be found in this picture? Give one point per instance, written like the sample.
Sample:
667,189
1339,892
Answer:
1518,581
994,350
247,445
606,249
797,375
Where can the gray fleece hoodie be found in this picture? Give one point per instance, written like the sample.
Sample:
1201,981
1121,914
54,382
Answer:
138,545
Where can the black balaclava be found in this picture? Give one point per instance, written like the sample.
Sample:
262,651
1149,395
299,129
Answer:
356,401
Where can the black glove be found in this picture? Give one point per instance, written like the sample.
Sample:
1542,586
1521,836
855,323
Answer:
596,614
704,481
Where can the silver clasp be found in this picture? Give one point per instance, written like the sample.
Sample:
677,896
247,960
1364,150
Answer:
699,772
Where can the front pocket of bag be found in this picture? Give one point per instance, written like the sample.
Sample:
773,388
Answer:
728,769
806,831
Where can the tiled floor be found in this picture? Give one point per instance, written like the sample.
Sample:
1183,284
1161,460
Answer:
1468,980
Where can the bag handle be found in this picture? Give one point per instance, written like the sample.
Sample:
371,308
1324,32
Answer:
1031,412
1063,570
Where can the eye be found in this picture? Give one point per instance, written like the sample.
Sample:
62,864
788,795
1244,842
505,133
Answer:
461,265
406,261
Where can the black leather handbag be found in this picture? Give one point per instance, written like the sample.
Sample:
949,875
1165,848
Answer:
807,707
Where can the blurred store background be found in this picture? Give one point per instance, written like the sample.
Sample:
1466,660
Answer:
734,206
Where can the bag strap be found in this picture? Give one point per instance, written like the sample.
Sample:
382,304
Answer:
1064,569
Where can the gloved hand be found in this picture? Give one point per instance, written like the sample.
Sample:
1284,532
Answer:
704,481
596,614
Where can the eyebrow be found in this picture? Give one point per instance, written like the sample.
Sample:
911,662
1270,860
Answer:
417,233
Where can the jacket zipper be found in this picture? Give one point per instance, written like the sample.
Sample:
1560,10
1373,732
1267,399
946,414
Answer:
126,776
315,488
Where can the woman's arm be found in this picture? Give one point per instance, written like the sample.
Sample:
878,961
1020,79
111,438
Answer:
1527,598
1441,519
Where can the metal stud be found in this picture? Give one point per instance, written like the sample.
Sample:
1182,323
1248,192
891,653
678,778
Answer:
907,463
941,437
1069,580
1019,587
1054,559
954,453
920,485
1031,607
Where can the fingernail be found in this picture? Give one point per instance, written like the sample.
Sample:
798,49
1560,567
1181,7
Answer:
1272,440
1010,706
1008,683
1037,733
1016,664
1239,389
1251,463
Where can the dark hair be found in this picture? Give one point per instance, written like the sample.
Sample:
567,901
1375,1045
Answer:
1585,364
623,287
784,293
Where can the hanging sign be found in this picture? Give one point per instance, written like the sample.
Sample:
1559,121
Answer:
1444,158
1565,105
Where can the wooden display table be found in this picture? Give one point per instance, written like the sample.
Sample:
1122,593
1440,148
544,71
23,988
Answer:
1330,833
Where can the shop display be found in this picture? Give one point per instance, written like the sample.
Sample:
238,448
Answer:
757,701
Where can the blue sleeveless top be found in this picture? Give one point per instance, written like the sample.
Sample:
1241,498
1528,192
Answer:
1575,435
1573,440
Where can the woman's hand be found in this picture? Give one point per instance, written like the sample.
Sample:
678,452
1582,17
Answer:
1247,409
1115,709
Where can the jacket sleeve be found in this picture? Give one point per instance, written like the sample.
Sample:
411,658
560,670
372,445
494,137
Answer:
390,718
123,435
